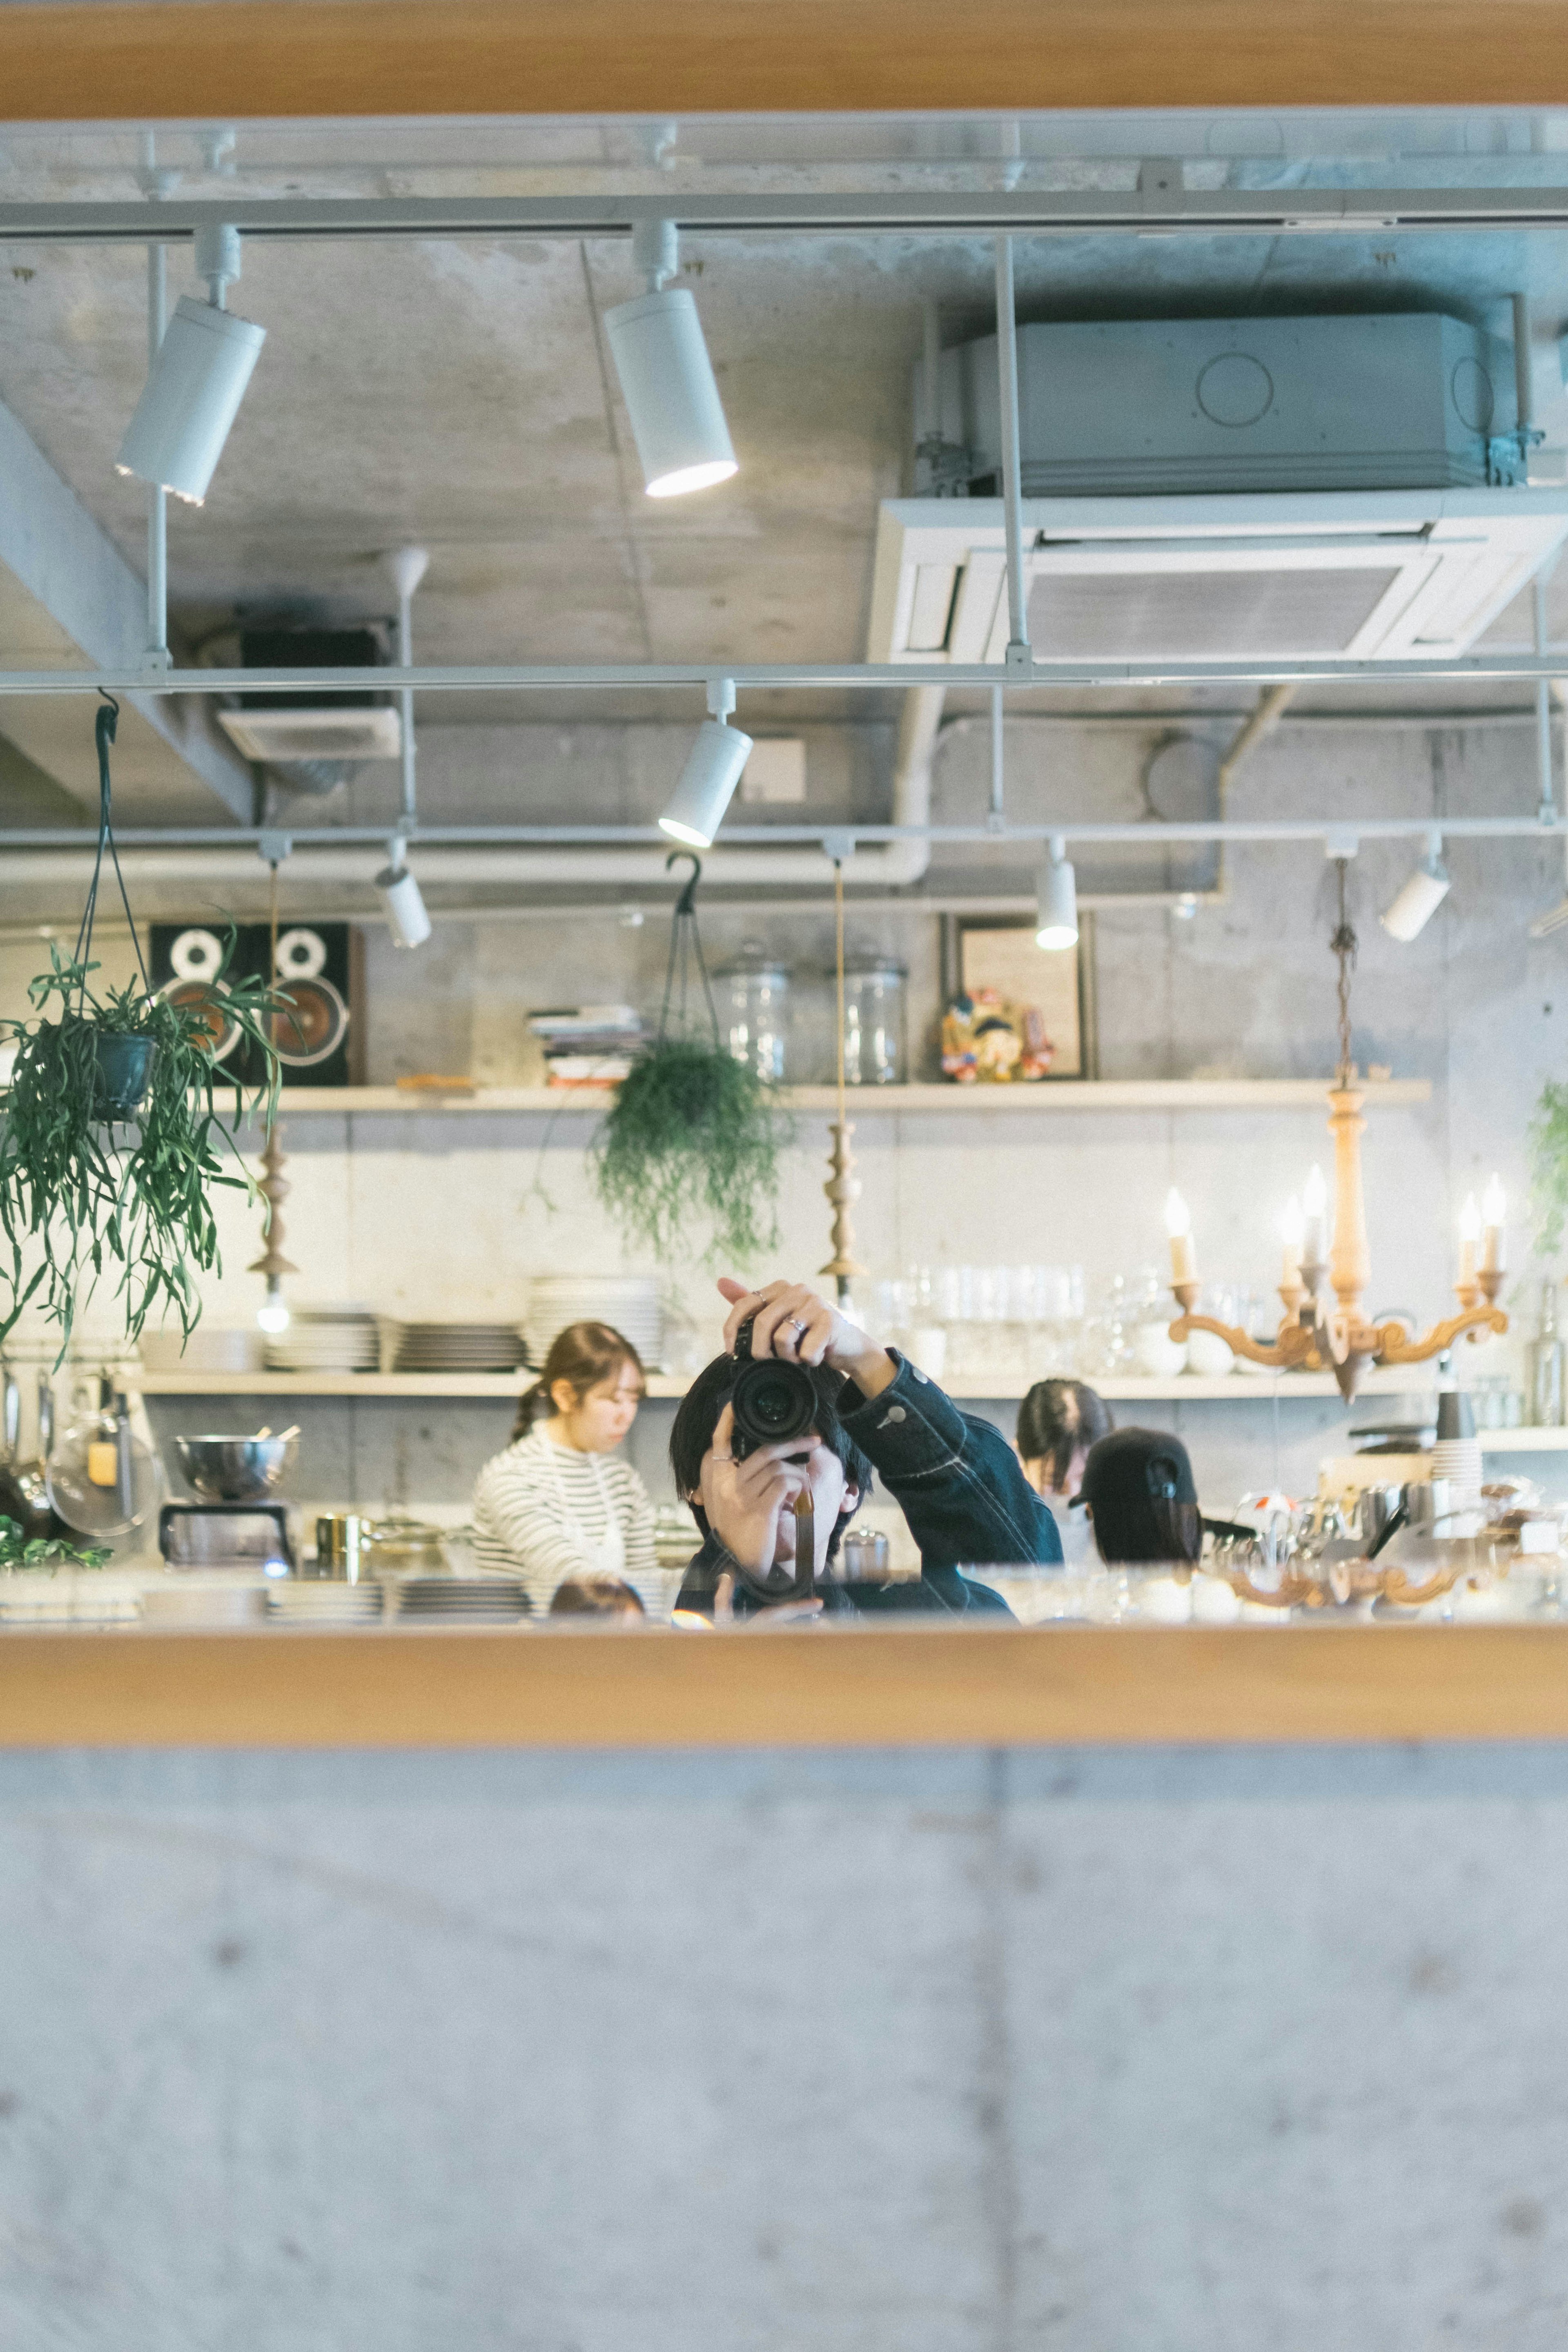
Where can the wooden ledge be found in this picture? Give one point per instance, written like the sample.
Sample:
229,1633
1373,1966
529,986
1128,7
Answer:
116,60
863,1687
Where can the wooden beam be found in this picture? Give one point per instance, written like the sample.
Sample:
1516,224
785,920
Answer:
227,60
865,1687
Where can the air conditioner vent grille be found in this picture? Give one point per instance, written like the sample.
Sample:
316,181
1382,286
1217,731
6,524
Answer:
1130,615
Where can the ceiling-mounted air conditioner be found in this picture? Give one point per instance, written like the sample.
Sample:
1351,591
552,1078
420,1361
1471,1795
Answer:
1299,489
288,730
1386,575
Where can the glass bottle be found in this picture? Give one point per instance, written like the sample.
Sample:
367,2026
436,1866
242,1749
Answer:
1546,1394
754,1009
873,1020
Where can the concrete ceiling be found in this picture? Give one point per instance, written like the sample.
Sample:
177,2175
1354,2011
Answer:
458,395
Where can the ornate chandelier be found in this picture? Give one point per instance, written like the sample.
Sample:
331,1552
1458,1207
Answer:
1319,1334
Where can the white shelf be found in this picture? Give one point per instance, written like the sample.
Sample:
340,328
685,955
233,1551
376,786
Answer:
1066,1093
1186,1389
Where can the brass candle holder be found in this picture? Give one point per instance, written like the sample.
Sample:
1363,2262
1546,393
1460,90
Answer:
1318,1333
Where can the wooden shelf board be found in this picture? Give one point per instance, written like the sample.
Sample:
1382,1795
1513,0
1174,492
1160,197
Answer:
1236,1388
862,1686
868,1102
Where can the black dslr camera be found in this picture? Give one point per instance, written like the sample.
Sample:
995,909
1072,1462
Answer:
772,1403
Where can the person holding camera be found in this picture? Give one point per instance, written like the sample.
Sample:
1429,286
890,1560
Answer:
775,1445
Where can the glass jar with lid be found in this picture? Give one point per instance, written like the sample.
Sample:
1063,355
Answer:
752,994
874,1044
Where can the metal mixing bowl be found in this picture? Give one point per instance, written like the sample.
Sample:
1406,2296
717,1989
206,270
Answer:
235,1469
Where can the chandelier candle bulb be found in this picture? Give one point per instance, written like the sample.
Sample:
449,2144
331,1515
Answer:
1184,1252
1315,1219
1494,1229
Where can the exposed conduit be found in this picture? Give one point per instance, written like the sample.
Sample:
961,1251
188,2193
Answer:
885,864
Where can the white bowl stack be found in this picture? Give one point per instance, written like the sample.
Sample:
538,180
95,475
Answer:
449,1347
629,1303
326,1339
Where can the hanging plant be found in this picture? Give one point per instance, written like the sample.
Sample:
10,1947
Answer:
692,1141
111,1137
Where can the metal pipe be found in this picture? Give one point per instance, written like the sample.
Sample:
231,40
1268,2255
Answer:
1523,389
1271,709
1548,810
998,773
157,497
932,330
759,677
1012,492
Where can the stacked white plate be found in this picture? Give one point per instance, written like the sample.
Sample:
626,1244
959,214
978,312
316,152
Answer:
327,1339
322,1601
627,1302
451,1347
460,1600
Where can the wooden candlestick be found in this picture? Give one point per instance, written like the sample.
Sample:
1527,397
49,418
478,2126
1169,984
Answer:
843,1188
274,1188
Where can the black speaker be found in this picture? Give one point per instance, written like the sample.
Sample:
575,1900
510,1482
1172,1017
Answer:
320,971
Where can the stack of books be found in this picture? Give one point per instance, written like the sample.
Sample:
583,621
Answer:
592,1046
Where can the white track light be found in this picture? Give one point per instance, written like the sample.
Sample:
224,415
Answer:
195,385
1420,897
402,902
666,377
1057,923
707,784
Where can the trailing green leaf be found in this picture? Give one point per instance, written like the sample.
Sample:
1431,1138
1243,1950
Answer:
45,1551
692,1142
81,1191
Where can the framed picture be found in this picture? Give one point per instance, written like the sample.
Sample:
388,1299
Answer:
1057,987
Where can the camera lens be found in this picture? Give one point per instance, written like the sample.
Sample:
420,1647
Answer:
772,1403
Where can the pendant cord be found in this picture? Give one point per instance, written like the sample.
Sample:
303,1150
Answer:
686,948
838,922
1344,945
107,719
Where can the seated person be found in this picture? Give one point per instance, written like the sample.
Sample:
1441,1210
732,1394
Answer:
595,1596
956,1478
1139,1492
1058,1421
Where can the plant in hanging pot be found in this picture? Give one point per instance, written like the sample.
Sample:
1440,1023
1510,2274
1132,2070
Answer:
112,1137
691,1143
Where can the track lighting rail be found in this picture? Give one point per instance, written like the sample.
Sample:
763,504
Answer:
1145,835
1043,672
928,211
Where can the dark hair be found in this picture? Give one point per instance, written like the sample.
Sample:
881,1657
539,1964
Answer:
1055,1419
596,1596
583,1354
1138,1484
698,1418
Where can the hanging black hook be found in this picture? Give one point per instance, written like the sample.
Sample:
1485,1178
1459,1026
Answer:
686,902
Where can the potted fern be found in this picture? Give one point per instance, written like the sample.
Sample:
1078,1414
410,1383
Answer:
693,1139
111,1137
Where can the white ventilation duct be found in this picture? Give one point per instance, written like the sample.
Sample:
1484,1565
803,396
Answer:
889,866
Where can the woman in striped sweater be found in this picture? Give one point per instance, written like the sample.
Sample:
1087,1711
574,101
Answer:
556,1504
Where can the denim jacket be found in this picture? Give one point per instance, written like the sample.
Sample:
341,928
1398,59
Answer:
960,1487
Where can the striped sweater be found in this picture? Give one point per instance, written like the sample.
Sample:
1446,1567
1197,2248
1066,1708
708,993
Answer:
532,1501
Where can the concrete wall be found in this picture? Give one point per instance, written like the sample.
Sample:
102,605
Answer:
905,2052
429,1215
